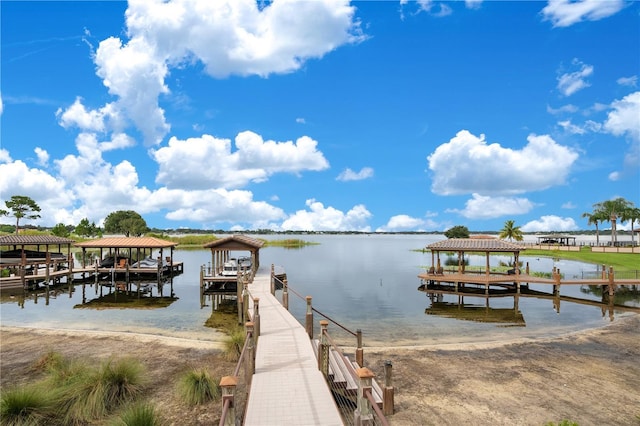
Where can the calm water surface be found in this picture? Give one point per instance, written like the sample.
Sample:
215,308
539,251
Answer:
366,282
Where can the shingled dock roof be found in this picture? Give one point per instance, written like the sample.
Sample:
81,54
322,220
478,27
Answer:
127,242
10,240
236,242
475,244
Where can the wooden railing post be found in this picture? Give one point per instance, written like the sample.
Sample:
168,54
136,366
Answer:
387,397
285,294
309,318
273,280
256,317
228,385
359,350
245,302
250,360
242,306
363,415
323,349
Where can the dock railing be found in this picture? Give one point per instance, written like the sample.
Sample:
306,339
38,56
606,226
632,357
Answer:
233,398
351,382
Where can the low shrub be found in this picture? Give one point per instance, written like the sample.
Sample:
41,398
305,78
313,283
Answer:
138,415
197,387
30,405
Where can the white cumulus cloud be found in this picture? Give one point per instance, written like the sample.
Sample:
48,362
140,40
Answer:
227,37
406,223
321,218
628,81
564,13
571,82
208,162
348,174
550,223
485,207
467,164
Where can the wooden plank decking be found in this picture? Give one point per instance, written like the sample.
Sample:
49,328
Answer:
287,387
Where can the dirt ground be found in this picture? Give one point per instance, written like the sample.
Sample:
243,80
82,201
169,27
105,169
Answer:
591,378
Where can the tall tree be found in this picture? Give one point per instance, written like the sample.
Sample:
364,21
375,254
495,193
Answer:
21,207
594,219
511,231
612,210
458,231
86,229
632,214
60,230
125,222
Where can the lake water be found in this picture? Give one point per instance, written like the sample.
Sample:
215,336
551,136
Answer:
366,282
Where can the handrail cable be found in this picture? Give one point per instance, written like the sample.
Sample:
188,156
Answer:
352,371
374,405
324,315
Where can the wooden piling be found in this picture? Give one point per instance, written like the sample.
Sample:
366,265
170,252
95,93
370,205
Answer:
388,392
256,317
250,356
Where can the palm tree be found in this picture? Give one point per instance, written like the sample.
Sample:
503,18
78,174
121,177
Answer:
511,231
612,209
632,214
594,219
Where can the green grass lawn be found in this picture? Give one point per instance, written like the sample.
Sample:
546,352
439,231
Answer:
619,261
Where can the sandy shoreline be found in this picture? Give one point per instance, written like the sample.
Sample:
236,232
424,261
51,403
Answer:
591,377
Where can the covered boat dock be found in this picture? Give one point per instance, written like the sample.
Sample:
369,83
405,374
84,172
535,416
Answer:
30,259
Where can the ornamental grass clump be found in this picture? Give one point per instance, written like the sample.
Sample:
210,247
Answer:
233,344
30,405
197,387
97,393
138,415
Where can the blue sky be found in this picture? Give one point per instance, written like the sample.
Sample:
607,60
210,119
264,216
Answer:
325,116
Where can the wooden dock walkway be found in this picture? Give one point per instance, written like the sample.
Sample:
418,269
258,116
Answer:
287,387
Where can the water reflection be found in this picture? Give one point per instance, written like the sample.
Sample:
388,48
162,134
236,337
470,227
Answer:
365,282
450,301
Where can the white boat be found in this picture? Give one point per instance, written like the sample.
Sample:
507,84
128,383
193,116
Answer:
230,268
147,262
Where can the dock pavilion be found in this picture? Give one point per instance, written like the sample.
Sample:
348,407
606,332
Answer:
478,244
30,258
221,251
126,246
563,240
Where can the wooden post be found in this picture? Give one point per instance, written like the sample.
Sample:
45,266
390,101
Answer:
285,294
309,318
323,349
245,300
242,306
612,285
256,317
228,385
359,351
363,415
387,397
273,280
250,360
